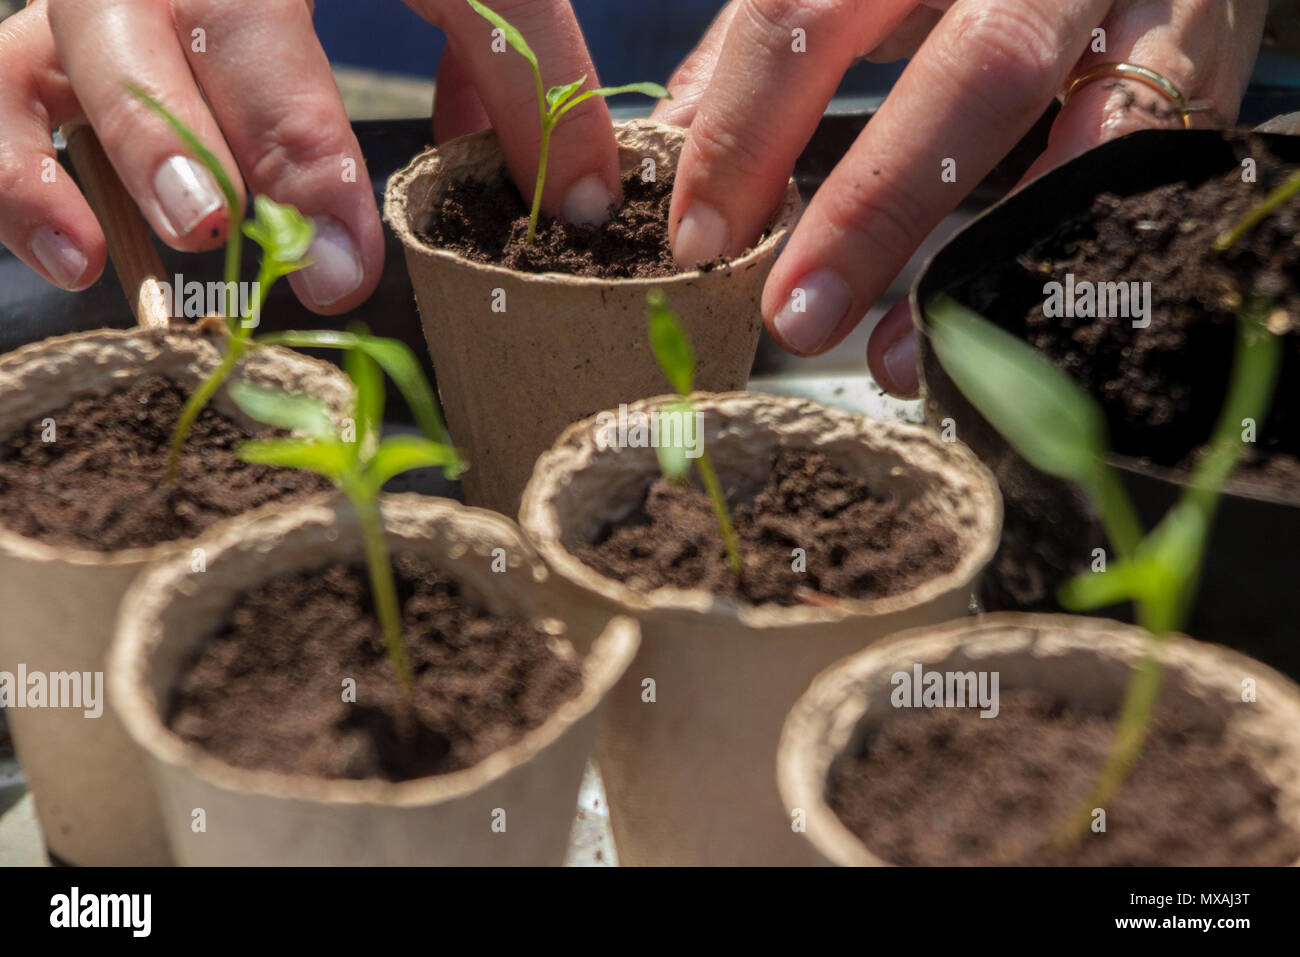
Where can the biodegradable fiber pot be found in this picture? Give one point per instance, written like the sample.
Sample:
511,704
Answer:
1084,662
265,817
564,347
689,776
59,603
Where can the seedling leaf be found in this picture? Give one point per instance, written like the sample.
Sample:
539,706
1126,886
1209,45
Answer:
512,36
1045,416
284,234
332,458
366,374
557,96
673,461
649,89
297,413
191,140
401,453
671,347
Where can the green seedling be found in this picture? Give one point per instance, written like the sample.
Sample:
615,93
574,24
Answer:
355,458
284,235
1061,430
555,102
672,350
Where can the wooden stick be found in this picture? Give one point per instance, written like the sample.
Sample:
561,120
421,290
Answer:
130,246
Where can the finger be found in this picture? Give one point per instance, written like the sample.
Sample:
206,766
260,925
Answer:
269,83
892,352
690,80
980,81
1207,50
779,66
909,36
102,45
457,109
44,220
582,173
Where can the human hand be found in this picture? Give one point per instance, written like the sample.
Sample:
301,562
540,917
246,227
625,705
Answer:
982,72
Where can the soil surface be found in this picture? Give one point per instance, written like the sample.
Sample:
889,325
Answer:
945,786
487,222
1163,386
100,485
267,691
858,544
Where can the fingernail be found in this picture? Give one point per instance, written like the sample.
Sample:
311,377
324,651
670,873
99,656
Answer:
336,265
815,308
62,260
703,235
587,202
186,192
900,363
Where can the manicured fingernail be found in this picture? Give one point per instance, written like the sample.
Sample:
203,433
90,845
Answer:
702,235
815,308
186,192
587,202
336,265
62,260
900,363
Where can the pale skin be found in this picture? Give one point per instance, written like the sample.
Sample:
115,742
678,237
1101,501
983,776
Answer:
980,73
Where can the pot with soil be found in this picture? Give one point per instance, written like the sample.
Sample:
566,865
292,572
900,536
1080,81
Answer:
883,778
849,529
86,422
1133,223
262,695
527,339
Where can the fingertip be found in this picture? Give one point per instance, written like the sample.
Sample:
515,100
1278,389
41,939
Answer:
893,353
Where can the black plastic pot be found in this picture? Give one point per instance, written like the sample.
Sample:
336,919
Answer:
1248,597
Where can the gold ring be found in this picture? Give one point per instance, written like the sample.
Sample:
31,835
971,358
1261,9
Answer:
1140,74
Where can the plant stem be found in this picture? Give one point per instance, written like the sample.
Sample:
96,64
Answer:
1258,214
548,124
382,586
1118,517
196,402
711,486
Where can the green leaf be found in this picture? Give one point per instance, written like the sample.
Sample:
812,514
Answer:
673,461
1037,408
191,139
329,457
513,36
368,378
284,234
670,344
401,453
295,412
397,361
649,89
557,96
1122,581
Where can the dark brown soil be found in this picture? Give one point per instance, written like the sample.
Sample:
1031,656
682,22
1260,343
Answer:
100,483
267,691
945,786
1163,386
487,222
857,544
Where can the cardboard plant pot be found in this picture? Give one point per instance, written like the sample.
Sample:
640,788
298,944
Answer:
93,798
519,356
689,774
1084,662
266,817
1246,598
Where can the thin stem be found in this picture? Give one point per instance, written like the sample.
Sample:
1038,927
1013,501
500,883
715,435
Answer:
196,402
710,480
1258,214
547,125
383,587
1118,517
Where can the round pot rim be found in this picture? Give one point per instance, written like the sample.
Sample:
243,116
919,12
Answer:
34,550
609,656
780,224
801,781
538,519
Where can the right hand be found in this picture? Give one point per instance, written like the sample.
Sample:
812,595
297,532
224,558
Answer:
273,114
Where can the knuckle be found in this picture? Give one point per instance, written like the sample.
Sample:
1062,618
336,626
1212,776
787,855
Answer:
1020,43
782,16
306,134
885,220
719,146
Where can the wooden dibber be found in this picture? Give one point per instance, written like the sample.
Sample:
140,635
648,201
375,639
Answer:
130,245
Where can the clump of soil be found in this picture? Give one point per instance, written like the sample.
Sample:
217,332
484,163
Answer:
487,222
858,544
267,691
1162,386
945,786
100,484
